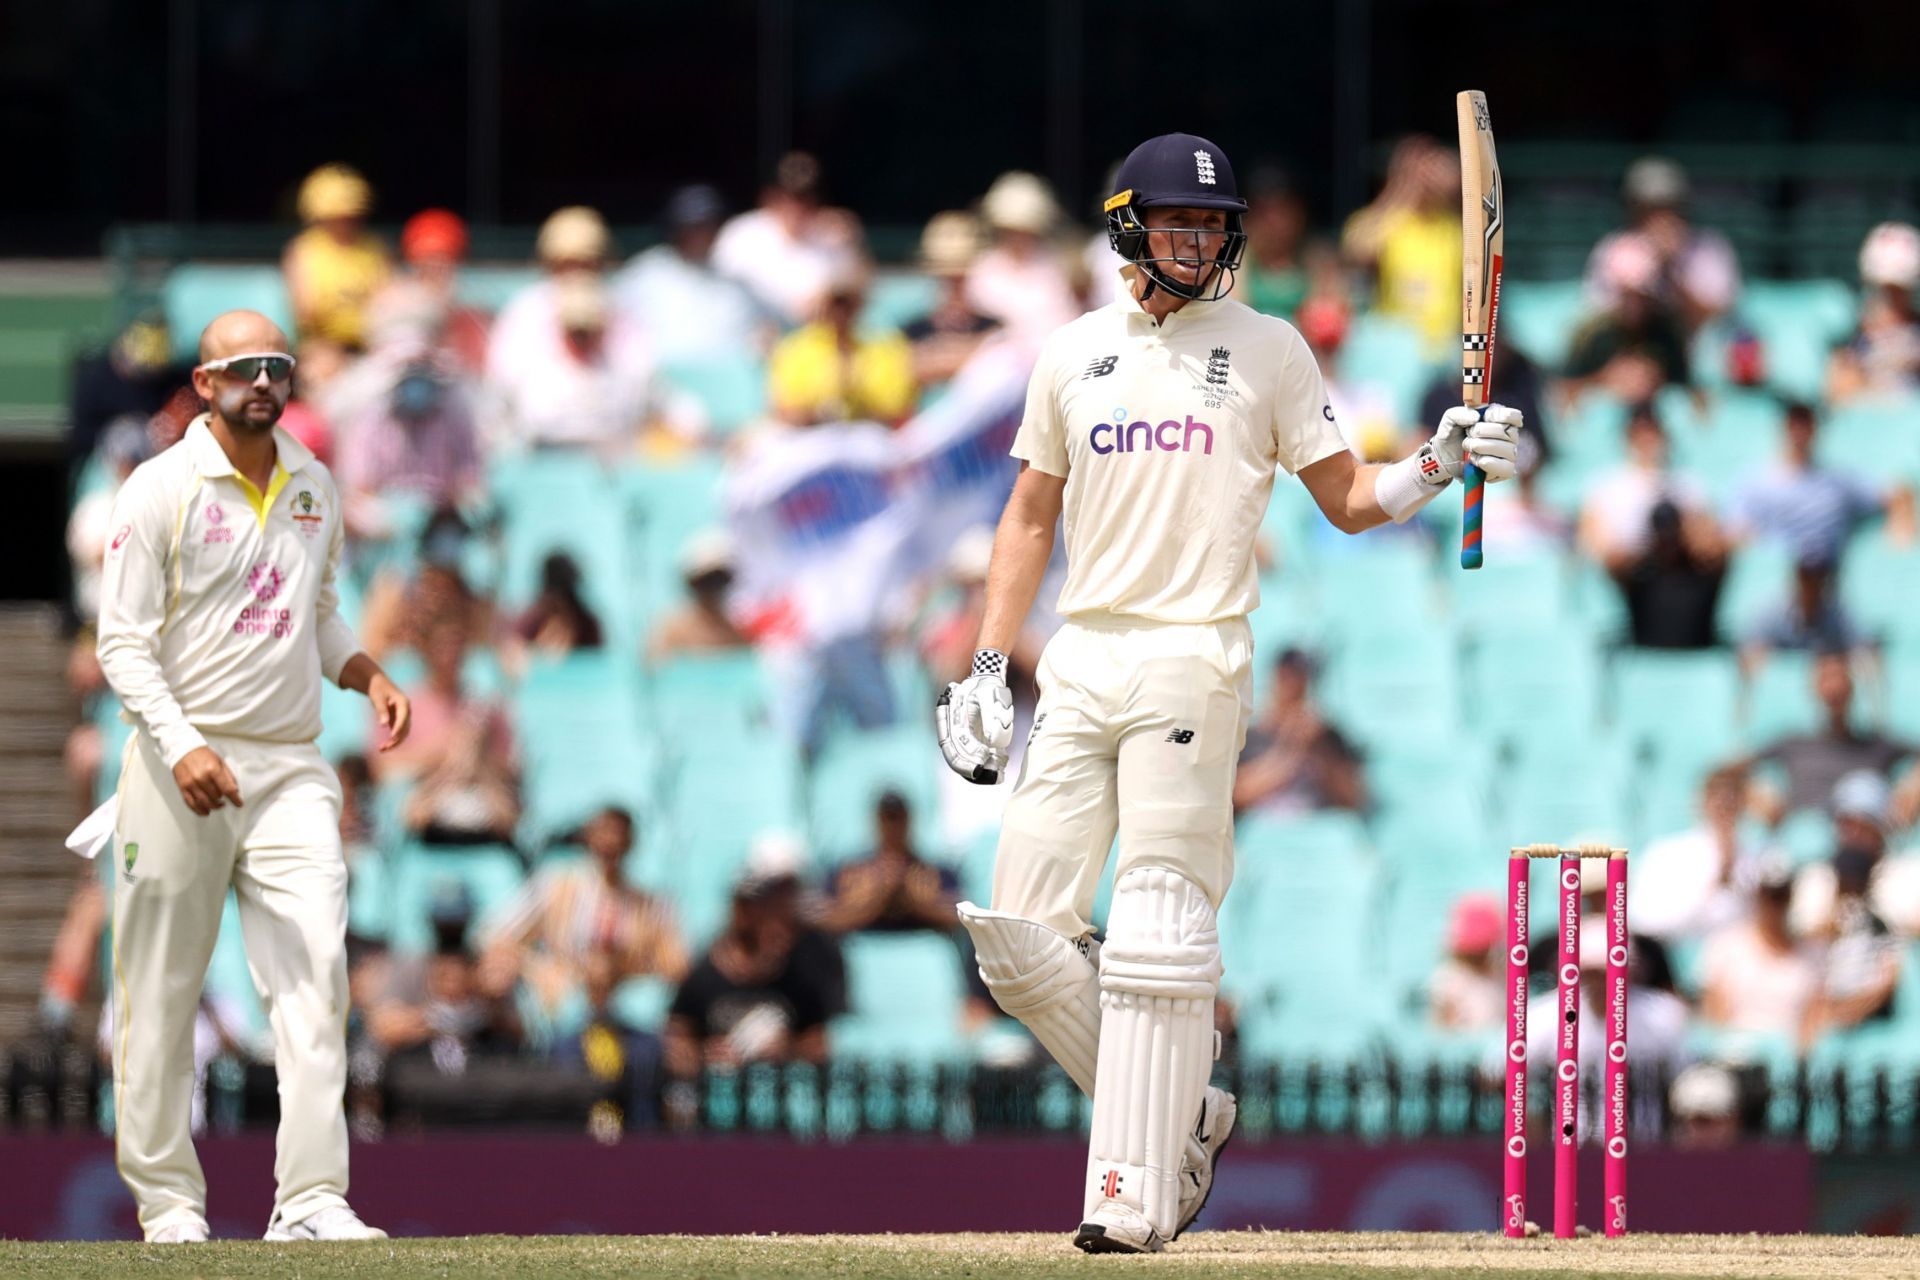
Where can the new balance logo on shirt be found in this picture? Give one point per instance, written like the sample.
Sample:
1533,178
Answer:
1181,736
1100,367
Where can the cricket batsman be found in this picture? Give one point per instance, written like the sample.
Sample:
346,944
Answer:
1155,424
217,621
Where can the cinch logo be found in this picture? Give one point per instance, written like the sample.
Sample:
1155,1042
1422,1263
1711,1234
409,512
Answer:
1144,437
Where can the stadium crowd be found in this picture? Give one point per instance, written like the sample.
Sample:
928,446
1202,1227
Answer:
1695,633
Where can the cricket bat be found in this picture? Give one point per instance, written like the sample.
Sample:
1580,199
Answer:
1483,239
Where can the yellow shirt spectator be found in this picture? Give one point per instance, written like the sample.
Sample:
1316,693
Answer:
1418,268
813,376
332,283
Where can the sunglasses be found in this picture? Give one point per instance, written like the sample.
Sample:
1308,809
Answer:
246,368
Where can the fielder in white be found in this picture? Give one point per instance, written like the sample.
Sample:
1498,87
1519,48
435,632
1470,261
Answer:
217,622
1155,424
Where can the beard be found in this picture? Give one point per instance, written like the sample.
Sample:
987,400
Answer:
248,409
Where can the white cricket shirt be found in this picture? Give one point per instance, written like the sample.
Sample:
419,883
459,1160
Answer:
217,604
1168,436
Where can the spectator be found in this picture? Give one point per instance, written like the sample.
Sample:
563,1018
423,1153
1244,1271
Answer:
1697,276
434,1017
764,991
584,382
1673,590
399,612
1755,976
1656,1026
833,370
1294,761
448,720
946,337
134,377
1637,344
689,310
417,442
1882,358
1811,620
1020,281
1467,992
1889,887
702,624
558,622
1616,521
1705,1101
1283,268
123,446
1409,239
572,918
335,266
1696,882
434,244
626,1059
1861,970
893,888
786,251
1810,509
469,793
1815,763
358,834
1516,520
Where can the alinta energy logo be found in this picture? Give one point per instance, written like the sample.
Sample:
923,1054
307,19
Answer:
1170,435
265,581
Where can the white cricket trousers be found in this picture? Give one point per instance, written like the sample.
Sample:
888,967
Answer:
281,854
1138,731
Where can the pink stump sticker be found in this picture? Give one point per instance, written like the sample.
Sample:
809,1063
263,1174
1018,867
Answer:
1566,1068
1513,1211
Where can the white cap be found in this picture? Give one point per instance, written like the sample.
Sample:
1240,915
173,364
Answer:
1655,180
1705,1091
573,234
1890,255
972,552
1863,794
1019,201
775,856
708,551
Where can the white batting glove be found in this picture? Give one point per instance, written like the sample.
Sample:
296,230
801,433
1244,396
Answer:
1488,438
975,720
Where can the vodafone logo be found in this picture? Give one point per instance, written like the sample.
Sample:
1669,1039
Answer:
1617,1148
1568,1071
120,538
1570,878
1569,975
1517,1051
1518,955
1516,1146
265,581
1617,956
1617,1051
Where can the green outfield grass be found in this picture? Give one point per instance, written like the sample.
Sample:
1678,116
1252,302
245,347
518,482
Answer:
1221,1255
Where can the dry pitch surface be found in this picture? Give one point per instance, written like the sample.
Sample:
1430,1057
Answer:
1216,1255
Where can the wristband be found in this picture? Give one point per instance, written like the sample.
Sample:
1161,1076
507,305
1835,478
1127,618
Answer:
1402,488
990,662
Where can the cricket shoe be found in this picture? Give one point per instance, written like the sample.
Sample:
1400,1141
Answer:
192,1231
335,1222
1218,1110
1117,1228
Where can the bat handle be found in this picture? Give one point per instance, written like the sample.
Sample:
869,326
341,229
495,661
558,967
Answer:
1473,500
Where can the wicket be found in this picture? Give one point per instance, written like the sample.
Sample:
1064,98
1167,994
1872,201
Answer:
1566,1109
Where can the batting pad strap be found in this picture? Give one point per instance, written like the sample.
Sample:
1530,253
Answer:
1048,982
1402,488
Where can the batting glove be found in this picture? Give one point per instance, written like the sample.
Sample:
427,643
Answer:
1488,438
975,720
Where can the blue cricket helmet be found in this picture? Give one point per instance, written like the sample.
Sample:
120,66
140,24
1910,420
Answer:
1181,170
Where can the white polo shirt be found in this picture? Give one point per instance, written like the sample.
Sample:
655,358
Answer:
1168,435
217,603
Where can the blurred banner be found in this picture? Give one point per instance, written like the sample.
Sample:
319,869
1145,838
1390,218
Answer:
832,524
450,1186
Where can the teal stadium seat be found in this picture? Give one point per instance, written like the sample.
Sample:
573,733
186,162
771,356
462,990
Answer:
1682,708
1799,321
489,288
1804,836
1877,438
897,298
197,292
1879,583
1779,699
730,387
1533,681
1386,589
1540,317
1419,899
853,769
665,505
1903,691
490,874
555,501
1528,591
1383,686
578,721
1386,352
1759,580
1721,445
1562,788
904,995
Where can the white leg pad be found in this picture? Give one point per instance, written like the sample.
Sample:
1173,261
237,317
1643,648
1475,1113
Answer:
1049,982
1159,973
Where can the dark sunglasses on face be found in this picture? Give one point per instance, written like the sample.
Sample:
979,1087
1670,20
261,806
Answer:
246,368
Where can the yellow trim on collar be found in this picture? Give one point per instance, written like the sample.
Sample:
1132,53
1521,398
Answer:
261,504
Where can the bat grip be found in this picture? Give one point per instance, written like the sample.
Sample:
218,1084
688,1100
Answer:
1473,500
